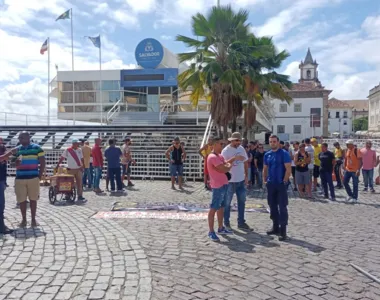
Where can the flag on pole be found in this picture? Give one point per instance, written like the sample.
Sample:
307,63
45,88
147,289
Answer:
95,40
44,47
65,15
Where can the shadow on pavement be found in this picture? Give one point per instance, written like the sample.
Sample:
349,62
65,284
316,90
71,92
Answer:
248,245
306,245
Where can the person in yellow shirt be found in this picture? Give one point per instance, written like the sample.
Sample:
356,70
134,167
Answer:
204,152
87,178
317,163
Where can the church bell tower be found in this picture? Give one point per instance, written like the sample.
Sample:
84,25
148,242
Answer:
308,69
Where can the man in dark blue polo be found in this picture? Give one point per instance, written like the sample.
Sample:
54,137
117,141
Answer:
276,173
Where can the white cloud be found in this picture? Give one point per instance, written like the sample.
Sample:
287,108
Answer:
124,18
371,26
292,70
290,17
142,6
101,8
166,37
354,86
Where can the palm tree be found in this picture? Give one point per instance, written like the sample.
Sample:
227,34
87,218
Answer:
227,64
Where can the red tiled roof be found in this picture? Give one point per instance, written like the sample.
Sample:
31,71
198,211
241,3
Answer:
307,86
335,103
358,104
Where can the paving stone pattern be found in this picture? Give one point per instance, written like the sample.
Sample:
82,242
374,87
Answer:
72,256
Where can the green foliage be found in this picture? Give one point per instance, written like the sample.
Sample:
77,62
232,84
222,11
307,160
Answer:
231,62
360,124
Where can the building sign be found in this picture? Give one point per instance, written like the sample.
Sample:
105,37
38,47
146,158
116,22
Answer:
149,77
149,53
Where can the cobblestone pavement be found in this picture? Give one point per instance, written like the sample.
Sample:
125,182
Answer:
73,256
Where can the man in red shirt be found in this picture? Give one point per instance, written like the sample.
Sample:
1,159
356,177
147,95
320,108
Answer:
97,162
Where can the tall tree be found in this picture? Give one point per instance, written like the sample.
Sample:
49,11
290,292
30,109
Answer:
227,64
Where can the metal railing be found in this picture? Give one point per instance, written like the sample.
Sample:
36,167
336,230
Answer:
164,111
149,165
113,111
207,133
10,118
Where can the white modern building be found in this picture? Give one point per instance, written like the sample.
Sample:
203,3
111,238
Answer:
306,115
374,109
340,118
147,95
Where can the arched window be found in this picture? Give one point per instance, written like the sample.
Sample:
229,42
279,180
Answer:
308,74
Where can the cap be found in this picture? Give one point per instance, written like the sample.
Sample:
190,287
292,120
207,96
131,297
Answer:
176,139
73,141
349,142
235,136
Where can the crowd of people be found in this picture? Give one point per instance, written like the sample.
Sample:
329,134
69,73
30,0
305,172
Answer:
82,162
231,167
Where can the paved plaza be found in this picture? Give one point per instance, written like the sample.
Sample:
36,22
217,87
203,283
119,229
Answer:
74,256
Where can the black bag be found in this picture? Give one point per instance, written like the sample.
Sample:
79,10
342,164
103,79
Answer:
228,174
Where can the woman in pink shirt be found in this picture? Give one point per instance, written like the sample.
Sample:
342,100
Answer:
369,163
217,169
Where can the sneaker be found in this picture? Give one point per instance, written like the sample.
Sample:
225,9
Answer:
354,200
339,187
244,226
365,190
212,236
223,230
227,226
130,184
295,190
333,199
373,191
81,198
349,198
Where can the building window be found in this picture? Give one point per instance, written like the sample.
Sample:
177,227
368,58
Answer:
345,114
283,107
315,117
329,115
337,115
344,122
297,107
297,129
280,128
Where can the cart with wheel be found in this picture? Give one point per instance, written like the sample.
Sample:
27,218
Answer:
63,185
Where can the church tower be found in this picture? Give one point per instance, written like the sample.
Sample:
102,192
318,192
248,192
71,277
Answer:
308,69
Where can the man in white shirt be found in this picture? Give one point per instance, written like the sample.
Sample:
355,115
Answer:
239,179
75,165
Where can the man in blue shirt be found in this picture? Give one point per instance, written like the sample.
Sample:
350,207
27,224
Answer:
113,154
276,173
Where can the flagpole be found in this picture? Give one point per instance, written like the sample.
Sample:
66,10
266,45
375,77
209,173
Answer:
72,61
48,44
72,40
101,87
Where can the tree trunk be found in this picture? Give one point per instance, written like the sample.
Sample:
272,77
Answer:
218,131
225,134
233,125
245,132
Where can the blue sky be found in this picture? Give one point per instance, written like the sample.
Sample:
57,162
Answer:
344,37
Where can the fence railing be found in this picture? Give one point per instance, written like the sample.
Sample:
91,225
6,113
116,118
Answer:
149,165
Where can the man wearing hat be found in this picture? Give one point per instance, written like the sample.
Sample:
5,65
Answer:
75,165
352,165
239,179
